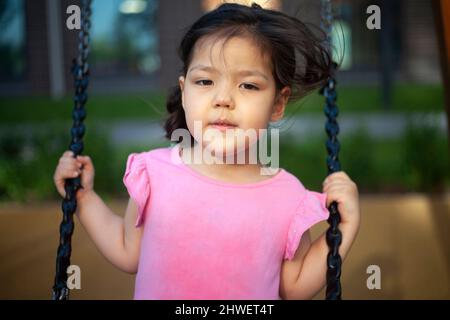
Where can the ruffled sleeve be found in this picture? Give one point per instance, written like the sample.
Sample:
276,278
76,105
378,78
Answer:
312,209
137,182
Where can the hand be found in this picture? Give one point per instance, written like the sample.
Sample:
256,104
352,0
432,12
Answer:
69,167
340,188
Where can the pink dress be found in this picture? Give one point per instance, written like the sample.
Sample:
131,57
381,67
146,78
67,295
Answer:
208,239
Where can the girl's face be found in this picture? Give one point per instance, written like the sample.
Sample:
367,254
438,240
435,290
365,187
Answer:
231,83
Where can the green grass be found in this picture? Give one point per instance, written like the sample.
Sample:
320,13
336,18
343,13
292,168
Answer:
397,165
405,98
105,107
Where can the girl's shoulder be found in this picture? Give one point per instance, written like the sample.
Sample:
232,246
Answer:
148,161
161,153
157,154
293,180
166,156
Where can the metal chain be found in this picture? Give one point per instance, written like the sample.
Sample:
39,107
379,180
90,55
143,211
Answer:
326,19
80,72
333,234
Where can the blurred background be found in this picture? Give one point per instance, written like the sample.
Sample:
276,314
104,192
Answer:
392,90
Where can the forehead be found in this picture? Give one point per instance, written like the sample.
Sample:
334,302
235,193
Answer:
233,53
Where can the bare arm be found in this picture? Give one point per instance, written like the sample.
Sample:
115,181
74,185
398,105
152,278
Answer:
290,269
312,267
116,237
312,276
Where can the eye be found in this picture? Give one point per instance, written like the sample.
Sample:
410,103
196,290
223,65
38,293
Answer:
250,86
203,82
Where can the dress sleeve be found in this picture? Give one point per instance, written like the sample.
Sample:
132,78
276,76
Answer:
137,182
312,209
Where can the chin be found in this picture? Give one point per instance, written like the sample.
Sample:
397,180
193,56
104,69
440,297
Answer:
227,149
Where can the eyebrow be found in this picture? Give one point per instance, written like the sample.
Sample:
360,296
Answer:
241,72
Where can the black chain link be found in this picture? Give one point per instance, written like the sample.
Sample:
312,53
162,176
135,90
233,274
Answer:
80,71
333,234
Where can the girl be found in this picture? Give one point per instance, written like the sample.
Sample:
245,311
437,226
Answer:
223,230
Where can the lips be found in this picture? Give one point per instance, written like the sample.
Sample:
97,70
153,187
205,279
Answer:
223,123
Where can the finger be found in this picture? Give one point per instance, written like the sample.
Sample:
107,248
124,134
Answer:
71,175
336,181
61,191
336,177
83,158
68,153
85,161
67,172
335,195
70,164
340,174
68,161
347,185
344,187
76,171
335,188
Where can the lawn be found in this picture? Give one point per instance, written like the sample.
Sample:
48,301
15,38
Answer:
405,98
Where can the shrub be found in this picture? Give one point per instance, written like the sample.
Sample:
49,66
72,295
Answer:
28,162
426,158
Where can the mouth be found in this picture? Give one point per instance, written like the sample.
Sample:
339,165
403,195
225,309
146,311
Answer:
222,125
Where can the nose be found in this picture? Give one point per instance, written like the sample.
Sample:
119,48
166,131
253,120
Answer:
224,98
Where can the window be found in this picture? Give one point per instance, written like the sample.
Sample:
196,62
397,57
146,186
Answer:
12,40
124,37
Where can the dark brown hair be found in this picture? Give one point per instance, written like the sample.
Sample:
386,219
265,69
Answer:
300,59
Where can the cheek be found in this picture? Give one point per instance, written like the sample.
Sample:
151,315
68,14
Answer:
256,116
194,107
195,111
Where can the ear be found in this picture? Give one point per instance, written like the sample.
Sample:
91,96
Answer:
280,104
181,83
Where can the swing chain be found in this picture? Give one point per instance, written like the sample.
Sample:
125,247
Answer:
333,234
80,72
326,19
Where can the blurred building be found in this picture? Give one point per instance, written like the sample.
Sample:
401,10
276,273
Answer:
133,42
